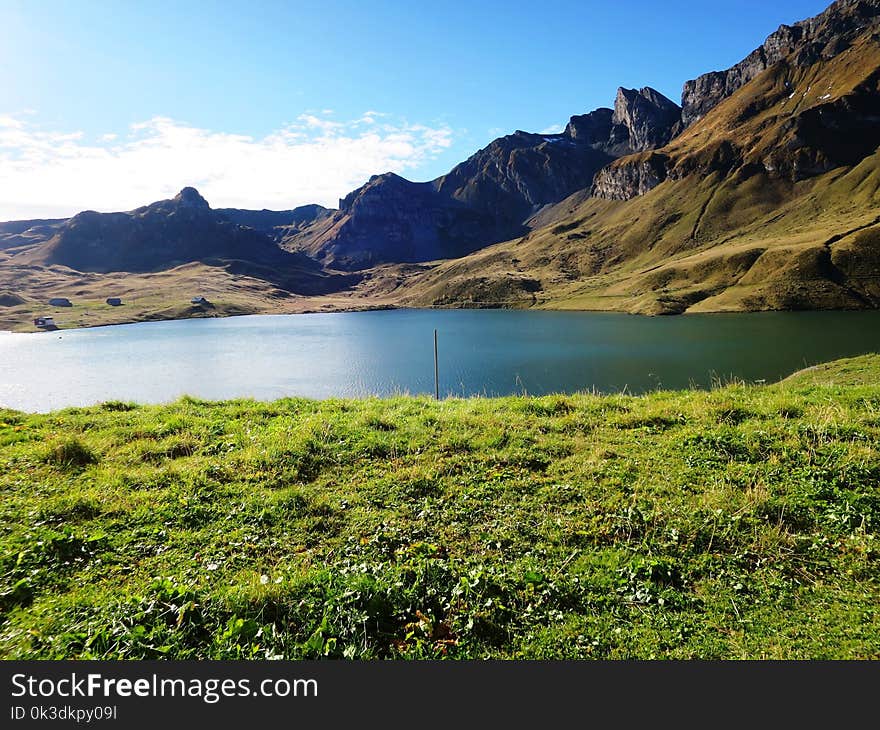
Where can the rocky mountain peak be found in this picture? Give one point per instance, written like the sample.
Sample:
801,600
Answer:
376,186
650,118
642,119
592,128
191,198
821,37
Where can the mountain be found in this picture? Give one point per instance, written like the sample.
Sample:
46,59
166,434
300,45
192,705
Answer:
819,38
27,232
392,219
761,191
169,233
277,223
490,196
767,198
812,105
161,235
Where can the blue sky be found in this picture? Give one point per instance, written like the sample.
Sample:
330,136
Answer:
109,105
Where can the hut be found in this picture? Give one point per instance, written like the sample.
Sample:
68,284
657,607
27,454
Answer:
114,301
44,322
198,300
59,302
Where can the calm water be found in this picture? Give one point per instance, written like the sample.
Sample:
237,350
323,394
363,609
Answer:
481,352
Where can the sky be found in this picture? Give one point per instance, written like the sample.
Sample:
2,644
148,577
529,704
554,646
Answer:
107,105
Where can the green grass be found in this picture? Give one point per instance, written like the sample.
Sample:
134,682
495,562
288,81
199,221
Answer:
740,522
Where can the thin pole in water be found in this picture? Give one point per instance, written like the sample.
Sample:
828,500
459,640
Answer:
436,370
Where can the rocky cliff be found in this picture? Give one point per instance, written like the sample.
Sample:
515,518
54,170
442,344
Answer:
392,219
277,223
518,174
636,176
490,196
819,38
814,108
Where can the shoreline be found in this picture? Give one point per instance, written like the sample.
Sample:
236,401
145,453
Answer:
222,315
387,306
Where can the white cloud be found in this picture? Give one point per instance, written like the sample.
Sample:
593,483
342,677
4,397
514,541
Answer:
312,160
8,121
553,129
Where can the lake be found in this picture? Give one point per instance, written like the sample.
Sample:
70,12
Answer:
482,352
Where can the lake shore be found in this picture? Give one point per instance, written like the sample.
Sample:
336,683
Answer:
91,313
736,523
166,296
94,313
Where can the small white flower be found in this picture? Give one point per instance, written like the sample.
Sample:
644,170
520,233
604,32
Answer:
212,566
264,579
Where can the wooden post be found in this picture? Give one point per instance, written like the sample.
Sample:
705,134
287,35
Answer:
436,370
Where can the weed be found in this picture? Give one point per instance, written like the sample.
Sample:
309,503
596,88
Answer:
71,453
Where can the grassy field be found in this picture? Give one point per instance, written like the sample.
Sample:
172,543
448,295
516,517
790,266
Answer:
740,522
26,290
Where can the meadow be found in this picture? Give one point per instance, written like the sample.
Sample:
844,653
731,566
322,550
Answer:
737,522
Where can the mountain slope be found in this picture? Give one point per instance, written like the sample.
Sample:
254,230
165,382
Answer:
490,196
768,201
762,244
791,121
170,233
802,44
277,223
14,234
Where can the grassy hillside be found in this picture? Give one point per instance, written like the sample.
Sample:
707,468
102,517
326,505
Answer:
698,245
742,222
25,292
739,522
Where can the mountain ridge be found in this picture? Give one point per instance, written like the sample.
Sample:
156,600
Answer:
822,36
768,201
761,191
170,233
489,196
